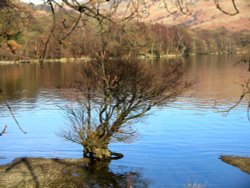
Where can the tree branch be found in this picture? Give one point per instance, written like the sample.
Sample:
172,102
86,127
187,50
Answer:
13,116
4,130
217,3
41,59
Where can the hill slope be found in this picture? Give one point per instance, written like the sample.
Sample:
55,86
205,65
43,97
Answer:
203,15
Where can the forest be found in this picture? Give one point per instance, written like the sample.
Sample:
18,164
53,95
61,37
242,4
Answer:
23,35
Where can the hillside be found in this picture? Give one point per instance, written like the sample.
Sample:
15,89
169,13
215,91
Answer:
203,15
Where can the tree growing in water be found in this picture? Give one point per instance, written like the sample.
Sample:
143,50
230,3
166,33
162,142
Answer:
109,99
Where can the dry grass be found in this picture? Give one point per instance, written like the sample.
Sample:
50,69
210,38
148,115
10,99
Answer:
243,163
67,173
40,172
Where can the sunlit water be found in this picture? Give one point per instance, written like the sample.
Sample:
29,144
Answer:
176,145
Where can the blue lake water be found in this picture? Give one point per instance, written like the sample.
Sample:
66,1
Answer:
176,145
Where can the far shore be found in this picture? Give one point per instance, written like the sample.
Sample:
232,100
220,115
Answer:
86,58
27,61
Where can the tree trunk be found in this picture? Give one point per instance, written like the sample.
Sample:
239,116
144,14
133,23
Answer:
93,148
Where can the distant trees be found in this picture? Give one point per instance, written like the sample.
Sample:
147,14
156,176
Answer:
13,21
76,27
7,31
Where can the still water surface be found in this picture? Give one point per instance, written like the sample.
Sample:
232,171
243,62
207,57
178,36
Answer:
176,145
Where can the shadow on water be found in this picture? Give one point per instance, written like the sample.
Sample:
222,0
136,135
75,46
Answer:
41,172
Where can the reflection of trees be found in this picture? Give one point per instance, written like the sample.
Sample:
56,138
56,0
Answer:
245,85
39,172
103,177
24,81
245,95
18,81
112,96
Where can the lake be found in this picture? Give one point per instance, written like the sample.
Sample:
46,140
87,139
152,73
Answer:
177,145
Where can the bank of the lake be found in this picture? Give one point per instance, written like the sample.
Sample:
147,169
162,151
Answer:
61,60
140,56
41,172
55,172
243,163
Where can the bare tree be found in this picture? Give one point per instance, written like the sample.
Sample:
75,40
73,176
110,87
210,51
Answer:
108,101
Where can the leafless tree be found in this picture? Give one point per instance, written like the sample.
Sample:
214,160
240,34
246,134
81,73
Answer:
108,101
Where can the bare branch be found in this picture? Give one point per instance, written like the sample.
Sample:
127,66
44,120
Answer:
4,130
218,6
72,29
166,6
41,59
182,6
245,95
13,116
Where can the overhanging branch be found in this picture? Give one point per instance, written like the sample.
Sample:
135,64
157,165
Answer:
218,6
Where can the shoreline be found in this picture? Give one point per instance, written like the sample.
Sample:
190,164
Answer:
36,61
86,59
243,163
42,172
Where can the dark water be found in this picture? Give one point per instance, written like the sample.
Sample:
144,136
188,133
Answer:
177,146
